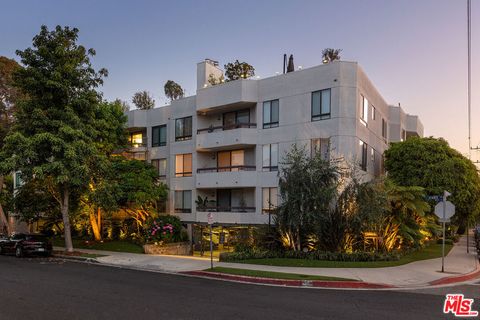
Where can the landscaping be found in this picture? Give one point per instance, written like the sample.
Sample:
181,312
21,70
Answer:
114,245
273,275
431,251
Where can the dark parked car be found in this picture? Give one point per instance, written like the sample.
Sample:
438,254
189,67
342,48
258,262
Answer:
24,244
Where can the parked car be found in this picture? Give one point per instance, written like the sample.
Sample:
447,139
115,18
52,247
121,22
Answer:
24,244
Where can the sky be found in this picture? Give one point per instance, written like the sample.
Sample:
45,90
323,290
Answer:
414,51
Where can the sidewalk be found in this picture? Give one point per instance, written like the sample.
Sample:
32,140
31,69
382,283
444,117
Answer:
420,273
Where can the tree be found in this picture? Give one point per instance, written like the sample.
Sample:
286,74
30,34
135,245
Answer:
8,97
143,100
124,104
53,138
330,54
173,90
238,70
432,164
307,188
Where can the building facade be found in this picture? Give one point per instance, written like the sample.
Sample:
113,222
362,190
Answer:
219,151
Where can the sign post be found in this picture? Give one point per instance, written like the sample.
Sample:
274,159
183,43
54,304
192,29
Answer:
210,222
444,210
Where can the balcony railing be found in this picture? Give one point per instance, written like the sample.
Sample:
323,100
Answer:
227,127
226,209
227,169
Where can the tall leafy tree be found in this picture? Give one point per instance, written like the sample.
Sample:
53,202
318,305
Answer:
143,100
173,90
55,133
432,164
330,54
8,97
238,70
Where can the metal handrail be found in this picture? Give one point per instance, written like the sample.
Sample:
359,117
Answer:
227,169
226,209
227,127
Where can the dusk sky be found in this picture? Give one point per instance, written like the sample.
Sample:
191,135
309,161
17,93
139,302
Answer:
415,52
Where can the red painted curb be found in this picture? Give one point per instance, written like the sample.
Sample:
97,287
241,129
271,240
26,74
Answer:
454,279
291,283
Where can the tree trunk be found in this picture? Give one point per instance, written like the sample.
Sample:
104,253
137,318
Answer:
66,219
3,216
95,222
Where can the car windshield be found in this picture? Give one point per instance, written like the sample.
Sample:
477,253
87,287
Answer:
35,237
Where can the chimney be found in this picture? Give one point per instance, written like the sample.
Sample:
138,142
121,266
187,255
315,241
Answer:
205,69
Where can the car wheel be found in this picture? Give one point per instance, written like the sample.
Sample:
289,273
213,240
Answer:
19,252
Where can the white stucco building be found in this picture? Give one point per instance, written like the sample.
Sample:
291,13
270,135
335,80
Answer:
226,142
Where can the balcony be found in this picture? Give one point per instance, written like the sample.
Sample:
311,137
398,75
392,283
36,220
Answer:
226,209
229,95
226,177
223,137
232,218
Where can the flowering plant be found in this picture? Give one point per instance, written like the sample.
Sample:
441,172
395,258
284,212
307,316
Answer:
164,229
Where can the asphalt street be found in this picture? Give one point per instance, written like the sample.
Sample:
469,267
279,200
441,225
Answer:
39,288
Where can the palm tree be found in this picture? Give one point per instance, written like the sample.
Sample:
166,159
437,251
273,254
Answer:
330,54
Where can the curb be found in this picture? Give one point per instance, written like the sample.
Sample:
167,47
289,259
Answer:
455,279
76,258
290,283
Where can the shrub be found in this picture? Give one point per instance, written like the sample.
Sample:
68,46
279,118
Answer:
164,229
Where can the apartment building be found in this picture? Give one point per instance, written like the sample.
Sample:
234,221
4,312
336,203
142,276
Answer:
225,144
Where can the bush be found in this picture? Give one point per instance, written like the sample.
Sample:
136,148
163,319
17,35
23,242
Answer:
164,229
309,255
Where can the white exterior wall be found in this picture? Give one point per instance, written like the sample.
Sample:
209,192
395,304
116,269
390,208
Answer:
348,83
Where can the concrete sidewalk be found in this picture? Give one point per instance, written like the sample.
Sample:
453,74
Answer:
420,273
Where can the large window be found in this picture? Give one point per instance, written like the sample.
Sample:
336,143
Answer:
230,160
270,157
269,199
183,201
321,101
136,139
364,155
384,129
161,166
270,114
183,129
235,119
374,113
364,113
159,136
322,146
183,165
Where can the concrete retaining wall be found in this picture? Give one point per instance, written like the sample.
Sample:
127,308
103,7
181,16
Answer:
177,248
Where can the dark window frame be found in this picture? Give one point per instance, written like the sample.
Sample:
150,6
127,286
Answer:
183,136
236,117
321,116
183,173
364,163
159,143
271,124
270,167
182,209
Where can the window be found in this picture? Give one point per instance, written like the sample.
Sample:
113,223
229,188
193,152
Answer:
161,166
230,160
270,114
384,129
183,165
183,129
374,111
372,156
236,119
364,114
139,156
321,104
159,136
363,149
18,180
269,199
321,145
136,139
270,157
404,135
183,201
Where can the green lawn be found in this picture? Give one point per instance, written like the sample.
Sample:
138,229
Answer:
118,246
430,252
274,275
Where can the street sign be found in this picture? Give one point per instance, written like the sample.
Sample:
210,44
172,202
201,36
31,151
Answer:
210,218
441,220
449,210
436,198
